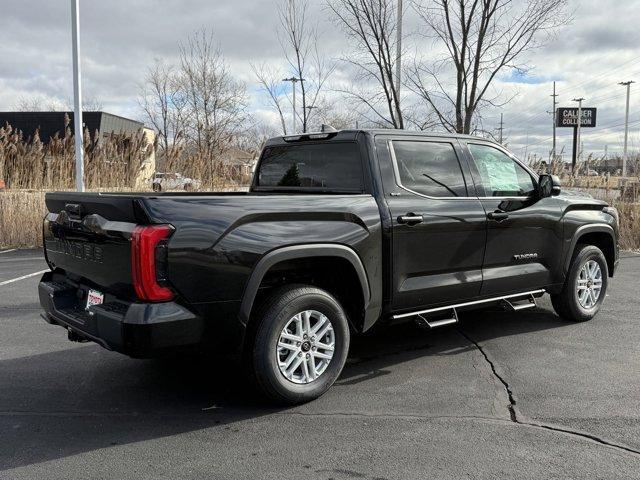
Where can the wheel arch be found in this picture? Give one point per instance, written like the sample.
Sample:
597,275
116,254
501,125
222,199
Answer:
294,253
601,236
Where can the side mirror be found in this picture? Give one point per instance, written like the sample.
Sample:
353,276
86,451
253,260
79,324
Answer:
548,185
556,185
545,186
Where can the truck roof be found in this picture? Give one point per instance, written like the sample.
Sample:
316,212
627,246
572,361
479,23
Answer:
352,135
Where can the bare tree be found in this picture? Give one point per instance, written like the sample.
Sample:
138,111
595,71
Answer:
371,25
335,114
35,104
89,104
215,100
164,105
299,41
253,139
480,38
43,104
271,83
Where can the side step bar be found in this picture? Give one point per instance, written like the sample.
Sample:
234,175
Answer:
509,301
528,302
423,320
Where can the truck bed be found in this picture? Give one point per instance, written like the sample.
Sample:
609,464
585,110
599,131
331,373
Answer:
217,238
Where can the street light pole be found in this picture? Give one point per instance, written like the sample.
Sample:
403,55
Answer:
399,50
293,81
626,127
553,116
77,95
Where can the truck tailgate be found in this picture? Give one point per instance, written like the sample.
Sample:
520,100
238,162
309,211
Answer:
88,237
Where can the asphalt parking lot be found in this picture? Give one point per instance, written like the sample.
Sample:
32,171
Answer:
500,395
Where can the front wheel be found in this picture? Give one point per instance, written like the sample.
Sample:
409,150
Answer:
585,286
300,344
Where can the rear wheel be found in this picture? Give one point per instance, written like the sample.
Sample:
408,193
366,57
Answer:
585,286
157,187
300,344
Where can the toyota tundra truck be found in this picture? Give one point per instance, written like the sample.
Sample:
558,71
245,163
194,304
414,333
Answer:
339,231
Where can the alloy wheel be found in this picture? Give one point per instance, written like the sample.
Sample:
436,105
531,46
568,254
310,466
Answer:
305,347
589,284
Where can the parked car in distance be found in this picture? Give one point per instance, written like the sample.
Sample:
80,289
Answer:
340,231
174,181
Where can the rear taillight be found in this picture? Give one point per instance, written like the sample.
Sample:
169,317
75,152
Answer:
148,262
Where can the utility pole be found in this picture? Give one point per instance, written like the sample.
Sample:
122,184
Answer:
309,108
626,127
553,116
399,52
501,129
293,81
576,138
77,95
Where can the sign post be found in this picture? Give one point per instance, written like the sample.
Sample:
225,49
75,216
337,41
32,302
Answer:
568,117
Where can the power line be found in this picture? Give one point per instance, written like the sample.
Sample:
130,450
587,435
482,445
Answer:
605,74
522,118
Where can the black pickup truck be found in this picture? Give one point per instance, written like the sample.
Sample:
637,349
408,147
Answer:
338,232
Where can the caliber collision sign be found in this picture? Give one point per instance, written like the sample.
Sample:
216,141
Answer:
567,117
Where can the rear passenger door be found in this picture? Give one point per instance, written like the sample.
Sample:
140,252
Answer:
438,225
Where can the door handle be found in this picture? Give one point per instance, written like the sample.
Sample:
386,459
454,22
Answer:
410,219
497,216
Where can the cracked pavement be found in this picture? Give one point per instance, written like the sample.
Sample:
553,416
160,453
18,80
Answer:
500,395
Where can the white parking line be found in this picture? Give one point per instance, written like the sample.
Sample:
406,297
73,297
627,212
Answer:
7,251
7,282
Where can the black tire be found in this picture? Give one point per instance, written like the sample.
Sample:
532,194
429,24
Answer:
275,313
157,187
566,303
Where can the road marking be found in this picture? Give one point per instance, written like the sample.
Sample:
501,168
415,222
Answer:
7,282
9,258
7,251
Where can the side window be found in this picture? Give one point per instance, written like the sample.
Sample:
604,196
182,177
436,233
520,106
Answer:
429,168
500,175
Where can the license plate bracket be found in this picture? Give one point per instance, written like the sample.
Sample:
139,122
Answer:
94,297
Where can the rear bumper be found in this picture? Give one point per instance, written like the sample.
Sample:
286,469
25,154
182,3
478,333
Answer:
136,329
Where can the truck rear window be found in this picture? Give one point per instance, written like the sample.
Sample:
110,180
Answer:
325,166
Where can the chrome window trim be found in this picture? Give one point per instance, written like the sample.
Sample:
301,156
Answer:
396,174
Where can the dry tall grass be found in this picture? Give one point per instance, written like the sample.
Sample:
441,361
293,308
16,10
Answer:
30,167
112,163
629,225
111,160
21,215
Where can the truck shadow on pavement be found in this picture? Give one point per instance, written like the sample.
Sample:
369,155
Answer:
84,398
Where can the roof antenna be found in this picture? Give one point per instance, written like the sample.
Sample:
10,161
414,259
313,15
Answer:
324,128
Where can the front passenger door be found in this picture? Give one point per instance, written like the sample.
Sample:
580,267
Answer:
523,231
